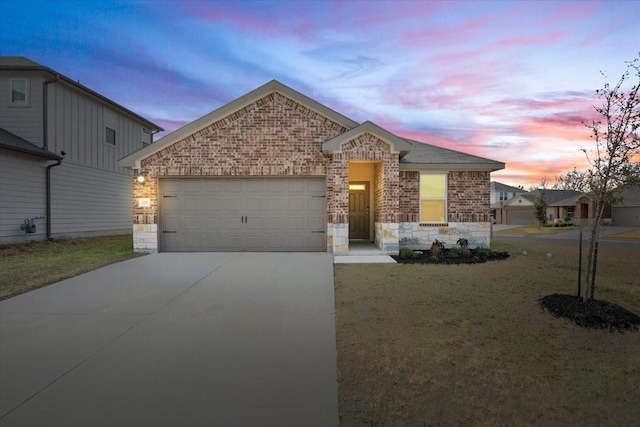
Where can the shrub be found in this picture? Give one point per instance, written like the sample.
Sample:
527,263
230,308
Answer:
406,253
464,247
437,249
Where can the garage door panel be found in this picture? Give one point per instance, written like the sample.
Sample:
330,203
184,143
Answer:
243,214
274,186
255,204
315,224
255,186
255,223
234,204
213,223
191,186
275,204
315,204
295,205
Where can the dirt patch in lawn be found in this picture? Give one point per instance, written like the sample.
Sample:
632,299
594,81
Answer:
591,314
452,345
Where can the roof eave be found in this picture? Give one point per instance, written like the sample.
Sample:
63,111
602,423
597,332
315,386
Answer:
488,167
68,80
39,153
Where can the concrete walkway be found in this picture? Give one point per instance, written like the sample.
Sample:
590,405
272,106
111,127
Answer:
226,339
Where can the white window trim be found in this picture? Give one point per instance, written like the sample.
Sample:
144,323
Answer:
446,197
27,99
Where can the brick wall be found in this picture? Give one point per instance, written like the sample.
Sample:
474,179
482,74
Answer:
409,202
468,196
274,136
365,147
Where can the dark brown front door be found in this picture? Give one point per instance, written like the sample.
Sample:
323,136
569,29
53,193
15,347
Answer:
358,210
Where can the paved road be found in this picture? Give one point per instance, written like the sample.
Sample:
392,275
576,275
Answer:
568,238
224,339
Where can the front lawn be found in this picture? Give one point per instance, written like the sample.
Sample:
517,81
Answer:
469,344
28,266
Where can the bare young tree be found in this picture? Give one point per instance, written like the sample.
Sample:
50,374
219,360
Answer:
614,161
573,180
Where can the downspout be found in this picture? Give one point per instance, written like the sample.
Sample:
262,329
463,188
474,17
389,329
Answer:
48,214
45,146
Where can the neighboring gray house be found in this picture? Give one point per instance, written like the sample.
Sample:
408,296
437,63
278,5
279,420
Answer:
59,148
499,194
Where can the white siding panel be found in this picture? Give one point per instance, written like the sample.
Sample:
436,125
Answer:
22,195
88,201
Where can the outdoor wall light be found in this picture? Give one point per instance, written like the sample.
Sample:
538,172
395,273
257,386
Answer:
140,177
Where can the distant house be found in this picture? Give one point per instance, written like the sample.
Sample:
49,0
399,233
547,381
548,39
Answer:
59,148
626,212
499,194
578,207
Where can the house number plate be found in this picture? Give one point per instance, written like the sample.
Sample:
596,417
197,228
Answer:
144,203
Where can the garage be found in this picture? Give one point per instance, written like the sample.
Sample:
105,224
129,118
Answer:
626,216
520,216
243,214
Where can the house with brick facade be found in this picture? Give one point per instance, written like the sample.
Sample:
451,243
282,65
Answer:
275,170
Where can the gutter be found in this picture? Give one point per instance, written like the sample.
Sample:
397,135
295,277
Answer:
45,146
48,204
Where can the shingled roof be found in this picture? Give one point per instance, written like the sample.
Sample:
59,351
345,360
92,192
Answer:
13,142
426,156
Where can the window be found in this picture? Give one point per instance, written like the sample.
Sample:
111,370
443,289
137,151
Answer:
146,137
110,136
19,92
433,198
571,211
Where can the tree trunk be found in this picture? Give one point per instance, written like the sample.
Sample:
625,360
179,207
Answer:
595,237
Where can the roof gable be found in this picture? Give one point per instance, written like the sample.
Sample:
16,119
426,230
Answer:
133,160
397,144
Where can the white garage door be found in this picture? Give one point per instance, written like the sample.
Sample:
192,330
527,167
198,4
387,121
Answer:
269,214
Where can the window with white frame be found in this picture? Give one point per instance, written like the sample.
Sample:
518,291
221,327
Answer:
433,197
19,92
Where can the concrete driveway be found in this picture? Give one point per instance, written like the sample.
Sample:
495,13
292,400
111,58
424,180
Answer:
207,339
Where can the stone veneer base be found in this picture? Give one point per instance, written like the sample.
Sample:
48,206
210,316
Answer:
145,238
413,235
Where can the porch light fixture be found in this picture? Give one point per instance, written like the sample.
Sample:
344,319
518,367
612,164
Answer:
140,177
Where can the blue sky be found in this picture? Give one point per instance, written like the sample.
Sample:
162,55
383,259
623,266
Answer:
507,80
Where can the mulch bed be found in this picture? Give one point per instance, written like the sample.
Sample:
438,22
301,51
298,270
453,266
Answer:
594,314
452,257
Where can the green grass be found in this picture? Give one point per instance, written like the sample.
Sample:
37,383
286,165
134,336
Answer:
29,266
469,345
629,236
534,230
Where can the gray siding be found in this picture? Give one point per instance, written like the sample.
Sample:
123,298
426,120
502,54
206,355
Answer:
91,194
88,202
24,121
77,127
22,195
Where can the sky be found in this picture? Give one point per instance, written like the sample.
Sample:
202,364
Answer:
512,81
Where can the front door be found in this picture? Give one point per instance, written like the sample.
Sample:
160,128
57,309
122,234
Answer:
359,210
